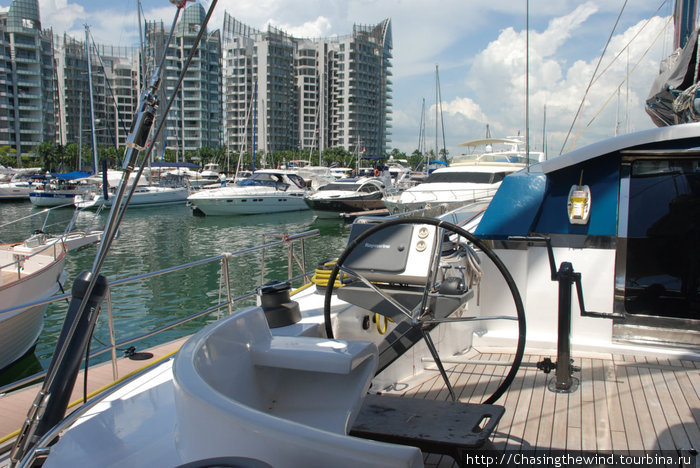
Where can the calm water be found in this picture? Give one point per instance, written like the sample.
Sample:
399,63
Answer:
160,237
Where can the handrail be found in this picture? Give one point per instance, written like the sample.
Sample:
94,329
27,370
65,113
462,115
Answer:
114,344
22,257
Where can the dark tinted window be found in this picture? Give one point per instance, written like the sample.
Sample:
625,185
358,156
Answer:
466,177
663,250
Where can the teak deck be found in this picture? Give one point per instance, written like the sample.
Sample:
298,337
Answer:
623,404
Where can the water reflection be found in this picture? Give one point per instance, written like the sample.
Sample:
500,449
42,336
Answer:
161,237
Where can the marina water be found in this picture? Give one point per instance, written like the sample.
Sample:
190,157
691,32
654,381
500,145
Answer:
156,238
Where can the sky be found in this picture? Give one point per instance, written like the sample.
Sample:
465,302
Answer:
584,68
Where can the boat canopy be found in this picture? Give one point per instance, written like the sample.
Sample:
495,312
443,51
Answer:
71,175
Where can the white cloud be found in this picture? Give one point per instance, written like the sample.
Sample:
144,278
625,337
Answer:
464,107
497,80
60,15
320,27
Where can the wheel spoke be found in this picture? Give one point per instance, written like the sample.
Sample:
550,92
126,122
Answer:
408,313
434,302
438,361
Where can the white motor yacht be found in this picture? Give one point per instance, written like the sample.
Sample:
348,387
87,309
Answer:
451,186
265,191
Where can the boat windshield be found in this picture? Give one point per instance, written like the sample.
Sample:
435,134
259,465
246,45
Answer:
250,182
342,186
466,177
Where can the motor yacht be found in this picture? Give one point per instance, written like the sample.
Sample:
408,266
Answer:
265,191
346,196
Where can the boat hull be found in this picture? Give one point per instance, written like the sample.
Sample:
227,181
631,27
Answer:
15,191
143,197
19,329
52,198
250,204
331,208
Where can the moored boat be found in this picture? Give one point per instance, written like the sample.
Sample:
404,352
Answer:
265,191
346,196
59,190
169,191
451,186
30,272
18,186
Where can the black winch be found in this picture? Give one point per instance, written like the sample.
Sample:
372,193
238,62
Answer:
279,309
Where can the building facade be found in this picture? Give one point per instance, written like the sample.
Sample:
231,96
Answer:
249,90
27,78
283,93
113,83
194,120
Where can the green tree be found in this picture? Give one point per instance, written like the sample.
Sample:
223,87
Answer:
50,155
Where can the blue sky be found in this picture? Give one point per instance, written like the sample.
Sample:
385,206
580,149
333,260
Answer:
479,48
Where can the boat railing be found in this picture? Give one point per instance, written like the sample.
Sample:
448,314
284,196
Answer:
20,258
114,345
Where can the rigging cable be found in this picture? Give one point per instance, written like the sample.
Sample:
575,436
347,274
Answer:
592,77
620,85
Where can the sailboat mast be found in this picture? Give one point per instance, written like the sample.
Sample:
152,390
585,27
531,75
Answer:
436,113
527,82
421,132
141,41
92,109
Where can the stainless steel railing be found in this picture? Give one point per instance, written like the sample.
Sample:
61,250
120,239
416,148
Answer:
114,345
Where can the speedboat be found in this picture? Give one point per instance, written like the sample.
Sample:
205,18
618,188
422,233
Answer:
31,272
346,196
59,190
265,191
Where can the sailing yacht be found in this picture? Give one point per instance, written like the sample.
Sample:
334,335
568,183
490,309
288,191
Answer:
60,189
389,354
421,307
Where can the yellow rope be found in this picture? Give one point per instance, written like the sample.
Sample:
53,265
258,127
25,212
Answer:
102,389
321,276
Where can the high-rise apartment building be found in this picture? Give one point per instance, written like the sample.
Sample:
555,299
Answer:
26,78
359,97
272,92
307,93
194,120
114,77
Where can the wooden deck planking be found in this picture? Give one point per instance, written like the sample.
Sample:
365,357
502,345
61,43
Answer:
624,404
629,421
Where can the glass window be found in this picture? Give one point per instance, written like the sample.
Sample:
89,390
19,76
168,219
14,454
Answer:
662,275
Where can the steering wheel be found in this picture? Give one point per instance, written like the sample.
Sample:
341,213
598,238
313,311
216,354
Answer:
420,318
